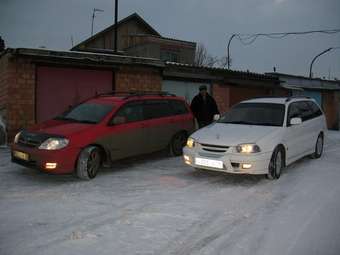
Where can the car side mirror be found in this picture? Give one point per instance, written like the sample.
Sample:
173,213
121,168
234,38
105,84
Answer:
217,117
119,120
295,121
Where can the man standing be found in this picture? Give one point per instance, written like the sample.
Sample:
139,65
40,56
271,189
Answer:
204,107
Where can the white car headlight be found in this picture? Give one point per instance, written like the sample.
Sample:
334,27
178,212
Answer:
16,138
54,144
191,142
247,148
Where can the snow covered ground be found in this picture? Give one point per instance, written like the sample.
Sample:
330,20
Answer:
157,205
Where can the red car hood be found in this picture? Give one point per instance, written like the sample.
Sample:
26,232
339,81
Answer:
62,128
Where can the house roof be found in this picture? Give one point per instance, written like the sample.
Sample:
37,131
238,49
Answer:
193,44
123,21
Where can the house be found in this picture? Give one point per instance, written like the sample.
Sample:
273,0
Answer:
137,38
325,92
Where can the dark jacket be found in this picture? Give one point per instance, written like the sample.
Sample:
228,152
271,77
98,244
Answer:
204,110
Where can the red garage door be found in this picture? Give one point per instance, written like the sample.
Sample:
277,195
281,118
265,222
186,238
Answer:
60,88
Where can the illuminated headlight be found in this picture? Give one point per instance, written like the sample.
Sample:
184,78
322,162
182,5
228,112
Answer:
247,148
54,144
16,138
190,142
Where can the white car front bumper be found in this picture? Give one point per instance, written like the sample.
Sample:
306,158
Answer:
227,162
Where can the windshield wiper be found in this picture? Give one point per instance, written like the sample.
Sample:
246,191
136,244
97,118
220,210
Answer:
265,124
239,122
87,121
64,118
75,120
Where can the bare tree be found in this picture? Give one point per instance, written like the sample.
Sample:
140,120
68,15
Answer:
200,55
203,58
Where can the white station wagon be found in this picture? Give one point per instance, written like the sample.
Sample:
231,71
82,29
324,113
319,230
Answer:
259,136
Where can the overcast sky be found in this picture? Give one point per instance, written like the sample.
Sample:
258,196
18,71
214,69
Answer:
50,23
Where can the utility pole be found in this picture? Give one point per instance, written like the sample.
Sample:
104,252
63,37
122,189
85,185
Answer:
93,16
116,28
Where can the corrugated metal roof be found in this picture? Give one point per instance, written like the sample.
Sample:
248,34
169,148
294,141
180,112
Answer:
225,71
98,58
303,82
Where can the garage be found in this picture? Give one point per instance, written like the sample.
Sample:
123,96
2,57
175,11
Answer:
58,88
185,89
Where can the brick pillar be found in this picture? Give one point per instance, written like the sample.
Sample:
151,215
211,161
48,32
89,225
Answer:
135,78
20,83
221,94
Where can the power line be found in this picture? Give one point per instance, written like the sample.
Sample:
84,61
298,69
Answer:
247,39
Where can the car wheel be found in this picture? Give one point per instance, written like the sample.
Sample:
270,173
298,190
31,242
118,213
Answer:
276,164
177,143
89,162
318,147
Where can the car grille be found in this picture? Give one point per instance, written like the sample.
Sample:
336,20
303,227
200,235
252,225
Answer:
32,140
214,148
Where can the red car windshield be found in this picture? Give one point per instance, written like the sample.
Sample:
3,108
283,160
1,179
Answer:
90,113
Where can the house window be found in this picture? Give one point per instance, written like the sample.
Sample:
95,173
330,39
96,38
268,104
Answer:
169,56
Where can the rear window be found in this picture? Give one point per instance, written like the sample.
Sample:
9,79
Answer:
316,111
87,113
154,109
306,110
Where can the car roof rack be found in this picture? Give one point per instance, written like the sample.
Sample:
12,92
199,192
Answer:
128,94
297,97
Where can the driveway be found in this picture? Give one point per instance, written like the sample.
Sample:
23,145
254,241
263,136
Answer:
157,205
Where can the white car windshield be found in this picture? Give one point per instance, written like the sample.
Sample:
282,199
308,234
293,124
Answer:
263,114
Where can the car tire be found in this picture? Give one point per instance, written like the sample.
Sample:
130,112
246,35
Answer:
276,164
88,163
177,143
318,150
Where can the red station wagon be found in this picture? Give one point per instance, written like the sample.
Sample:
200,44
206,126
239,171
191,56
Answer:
104,129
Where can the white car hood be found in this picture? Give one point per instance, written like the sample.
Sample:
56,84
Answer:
231,134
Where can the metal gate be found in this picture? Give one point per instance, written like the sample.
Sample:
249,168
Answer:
188,90
59,88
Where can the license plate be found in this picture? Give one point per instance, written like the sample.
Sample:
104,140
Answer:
209,163
21,155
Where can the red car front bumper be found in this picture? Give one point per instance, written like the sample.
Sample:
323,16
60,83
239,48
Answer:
64,160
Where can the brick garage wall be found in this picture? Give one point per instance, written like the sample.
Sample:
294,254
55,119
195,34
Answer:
20,95
138,78
227,96
238,94
221,94
337,103
331,108
4,79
